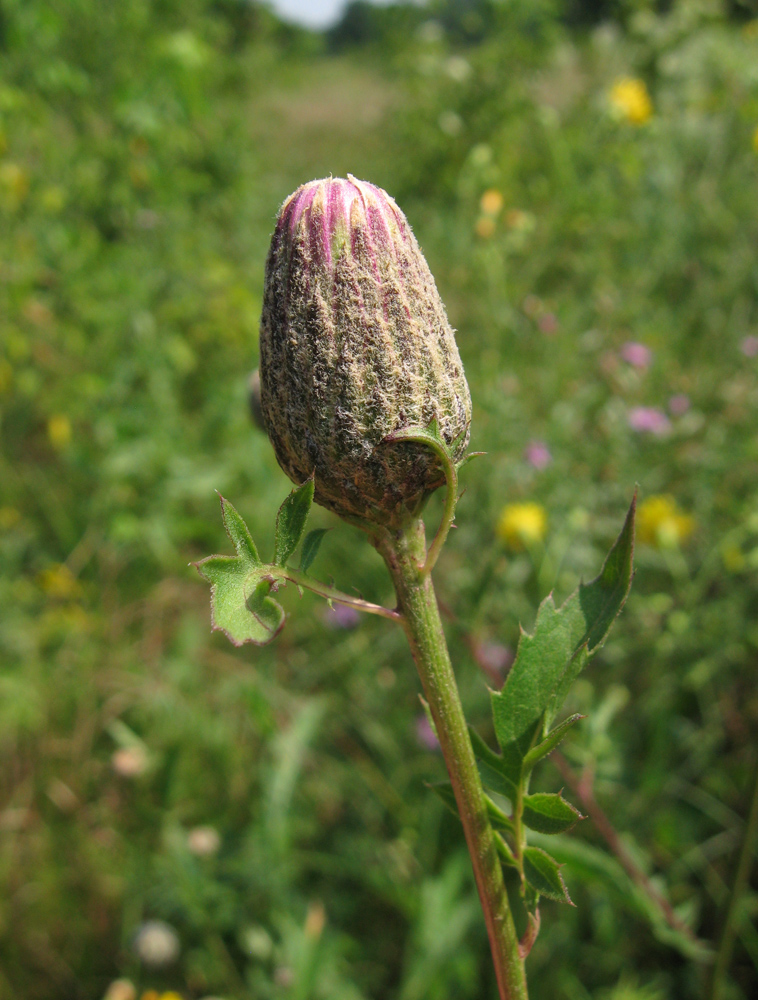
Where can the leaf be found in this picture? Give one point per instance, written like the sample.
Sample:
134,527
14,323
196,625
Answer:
548,813
600,601
444,791
490,767
238,533
544,875
290,521
499,820
549,744
240,605
240,585
548,661
506,854
311,545
469,458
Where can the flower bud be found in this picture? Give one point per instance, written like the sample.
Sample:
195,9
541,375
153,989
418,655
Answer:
355,346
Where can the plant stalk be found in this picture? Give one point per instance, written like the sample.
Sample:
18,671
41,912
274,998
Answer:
405,555
741,879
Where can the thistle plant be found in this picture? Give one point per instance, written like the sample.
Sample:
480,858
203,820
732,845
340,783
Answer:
364,398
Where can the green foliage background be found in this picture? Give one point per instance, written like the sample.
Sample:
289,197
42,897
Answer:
145,148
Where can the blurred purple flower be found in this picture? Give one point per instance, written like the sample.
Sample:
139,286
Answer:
749,346
649,419
425,734
538,454
494,658
341,616
636,354
679,404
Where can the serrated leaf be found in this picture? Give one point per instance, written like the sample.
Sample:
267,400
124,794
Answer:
238,533
544,875
549,813
550,742
290,521
311,545
601,601
548,661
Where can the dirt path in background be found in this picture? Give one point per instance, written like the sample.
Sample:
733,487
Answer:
328,119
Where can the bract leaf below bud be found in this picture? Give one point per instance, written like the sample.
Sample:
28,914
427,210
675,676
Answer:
355,345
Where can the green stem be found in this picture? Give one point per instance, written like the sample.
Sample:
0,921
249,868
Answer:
404,554
741,876
518,836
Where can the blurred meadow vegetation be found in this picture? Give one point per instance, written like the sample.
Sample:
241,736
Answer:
582,178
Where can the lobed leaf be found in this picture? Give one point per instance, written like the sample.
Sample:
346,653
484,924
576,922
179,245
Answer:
240,586
290,521
240,605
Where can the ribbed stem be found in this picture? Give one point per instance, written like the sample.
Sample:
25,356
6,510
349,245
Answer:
404,554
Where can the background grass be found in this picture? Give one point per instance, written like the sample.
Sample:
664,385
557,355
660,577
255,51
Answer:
146,147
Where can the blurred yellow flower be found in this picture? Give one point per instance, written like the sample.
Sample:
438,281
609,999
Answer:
733,559
630,99
59,431
491,202
14,182
485,227
58,581
522,524
661,523
750,30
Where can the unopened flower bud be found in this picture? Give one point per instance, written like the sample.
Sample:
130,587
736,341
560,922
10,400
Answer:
356,346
